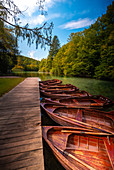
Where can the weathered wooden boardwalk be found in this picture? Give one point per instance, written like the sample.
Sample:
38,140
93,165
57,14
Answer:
20,128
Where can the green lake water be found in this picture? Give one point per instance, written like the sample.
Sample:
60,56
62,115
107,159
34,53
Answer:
93,86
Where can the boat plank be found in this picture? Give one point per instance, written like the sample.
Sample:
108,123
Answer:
6,140
20,149
19,134
18,143
19,157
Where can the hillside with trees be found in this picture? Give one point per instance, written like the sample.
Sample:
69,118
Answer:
88,53
26,64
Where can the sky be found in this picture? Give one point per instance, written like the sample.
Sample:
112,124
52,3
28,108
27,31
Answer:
68,16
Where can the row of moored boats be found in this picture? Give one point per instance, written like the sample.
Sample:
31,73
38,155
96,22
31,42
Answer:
86,138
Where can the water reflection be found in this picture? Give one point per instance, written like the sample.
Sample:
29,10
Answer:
28,74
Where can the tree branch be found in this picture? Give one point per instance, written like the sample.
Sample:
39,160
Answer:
23,27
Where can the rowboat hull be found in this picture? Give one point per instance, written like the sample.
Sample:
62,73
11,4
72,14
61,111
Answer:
80,148
59,89
64,94
50,82
87,102
87,118
58,86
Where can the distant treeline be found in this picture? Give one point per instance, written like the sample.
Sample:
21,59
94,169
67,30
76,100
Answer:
88,53
26,64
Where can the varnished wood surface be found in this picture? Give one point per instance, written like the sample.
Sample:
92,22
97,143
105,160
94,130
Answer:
50,82
64,94
89,102
80,151
80,117
20,128
56,88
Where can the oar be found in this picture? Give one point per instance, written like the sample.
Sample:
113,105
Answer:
85,124
74,107
110,149
88,133
73,157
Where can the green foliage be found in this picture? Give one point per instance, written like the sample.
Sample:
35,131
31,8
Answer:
26,64
42,65
46,64
54,48
17,68
58,62
88,53
8,48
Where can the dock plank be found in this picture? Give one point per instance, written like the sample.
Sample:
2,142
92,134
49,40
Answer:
30,161
20,127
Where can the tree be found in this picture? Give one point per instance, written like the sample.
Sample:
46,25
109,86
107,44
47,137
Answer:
54,48
42,65
41,35
8,48
105,70
59,61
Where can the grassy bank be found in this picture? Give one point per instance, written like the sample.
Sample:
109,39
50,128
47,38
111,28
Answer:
6,84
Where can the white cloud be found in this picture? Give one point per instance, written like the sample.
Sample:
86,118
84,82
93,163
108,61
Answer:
31,54
35,54
80,23
31,6
31,12
36,20
28,7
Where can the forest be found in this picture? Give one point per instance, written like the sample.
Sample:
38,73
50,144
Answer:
87,54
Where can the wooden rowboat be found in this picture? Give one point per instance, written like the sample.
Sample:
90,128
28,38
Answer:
64,94
59,87
62,89
87,118
90,102
80,148
50,82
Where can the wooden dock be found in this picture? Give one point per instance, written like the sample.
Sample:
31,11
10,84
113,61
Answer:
20,128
